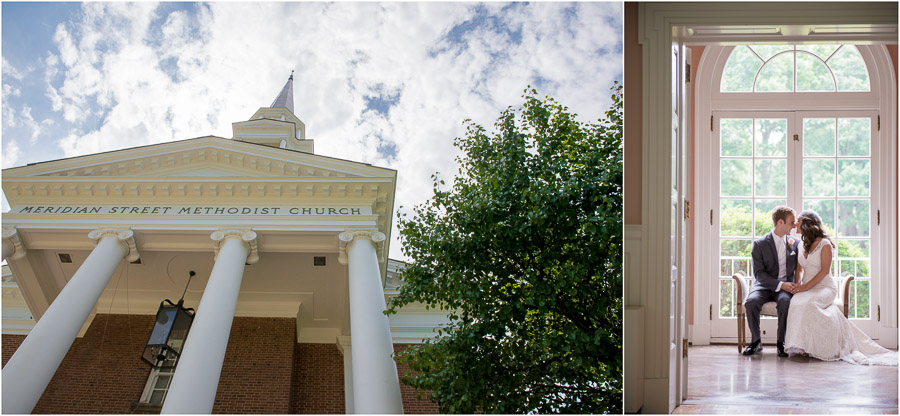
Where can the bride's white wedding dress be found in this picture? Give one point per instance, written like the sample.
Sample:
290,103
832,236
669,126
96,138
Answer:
817,326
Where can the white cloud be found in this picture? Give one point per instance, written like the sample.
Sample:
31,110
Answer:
11,153
9,114
11,71
133,76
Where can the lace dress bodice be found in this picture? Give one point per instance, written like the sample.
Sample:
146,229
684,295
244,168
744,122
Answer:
812,264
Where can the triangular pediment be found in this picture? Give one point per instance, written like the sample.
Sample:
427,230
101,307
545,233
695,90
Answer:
205,157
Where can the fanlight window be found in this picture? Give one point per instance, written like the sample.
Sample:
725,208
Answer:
795,68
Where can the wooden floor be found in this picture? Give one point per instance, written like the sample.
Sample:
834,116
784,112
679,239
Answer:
721,381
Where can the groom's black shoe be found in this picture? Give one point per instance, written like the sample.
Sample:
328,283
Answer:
752,348
781,352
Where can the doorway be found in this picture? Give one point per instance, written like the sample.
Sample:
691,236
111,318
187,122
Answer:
823,150
649,290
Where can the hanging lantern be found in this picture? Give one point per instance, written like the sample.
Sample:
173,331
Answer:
173,322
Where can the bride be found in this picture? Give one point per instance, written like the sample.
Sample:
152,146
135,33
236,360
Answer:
815,325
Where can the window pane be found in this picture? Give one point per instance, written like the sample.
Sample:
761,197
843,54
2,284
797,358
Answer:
818,136
735,137
730,266
162,381
849,69
853,177
740,70
854,135
735,217
825,209
769,137
157,397
812,74
777,75
859,299
763,215
736,248
853,248
735,177
858,268
853,218
818,177
766,52
822,51
771,177
726,298
742,265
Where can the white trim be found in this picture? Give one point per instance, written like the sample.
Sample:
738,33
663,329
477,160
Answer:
317,335
790,101
151,382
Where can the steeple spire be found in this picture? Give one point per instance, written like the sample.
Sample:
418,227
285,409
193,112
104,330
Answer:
285,98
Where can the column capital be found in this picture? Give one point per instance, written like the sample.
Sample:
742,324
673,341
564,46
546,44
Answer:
11,234
125,237
245,235
376,237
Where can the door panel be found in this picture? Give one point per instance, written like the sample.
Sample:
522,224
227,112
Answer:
753,177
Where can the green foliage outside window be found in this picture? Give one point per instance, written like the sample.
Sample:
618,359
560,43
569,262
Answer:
852,257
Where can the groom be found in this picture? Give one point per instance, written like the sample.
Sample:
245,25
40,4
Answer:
774,262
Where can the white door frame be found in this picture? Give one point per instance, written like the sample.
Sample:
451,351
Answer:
660,26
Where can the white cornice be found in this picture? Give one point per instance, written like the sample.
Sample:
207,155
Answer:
164,157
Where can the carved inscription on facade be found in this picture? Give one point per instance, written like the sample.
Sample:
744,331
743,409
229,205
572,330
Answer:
186,210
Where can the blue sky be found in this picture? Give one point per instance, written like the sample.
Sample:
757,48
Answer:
381,83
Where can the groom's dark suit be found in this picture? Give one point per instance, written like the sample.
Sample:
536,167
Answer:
766,270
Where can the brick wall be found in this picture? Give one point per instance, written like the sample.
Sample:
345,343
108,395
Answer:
256,375
102,372
11,343
318,379
265,371
411,402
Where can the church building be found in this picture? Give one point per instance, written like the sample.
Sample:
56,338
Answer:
261,266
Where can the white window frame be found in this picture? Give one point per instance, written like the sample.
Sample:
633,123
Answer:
150,386
881,98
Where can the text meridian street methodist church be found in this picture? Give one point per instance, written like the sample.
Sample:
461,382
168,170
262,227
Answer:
189,210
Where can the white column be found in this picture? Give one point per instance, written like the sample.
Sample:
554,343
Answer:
346,349
12,246
376,387
31,368
193,388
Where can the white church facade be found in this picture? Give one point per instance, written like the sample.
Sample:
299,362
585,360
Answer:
261,235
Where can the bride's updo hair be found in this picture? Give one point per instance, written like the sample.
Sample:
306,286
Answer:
811,228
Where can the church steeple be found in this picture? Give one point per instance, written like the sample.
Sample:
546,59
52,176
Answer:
285,98
275,125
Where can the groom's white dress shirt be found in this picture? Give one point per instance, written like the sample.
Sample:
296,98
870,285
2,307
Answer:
781,249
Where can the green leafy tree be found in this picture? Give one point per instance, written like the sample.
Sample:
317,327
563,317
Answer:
524,252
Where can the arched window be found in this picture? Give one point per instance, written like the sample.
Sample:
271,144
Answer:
810,126
795,68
